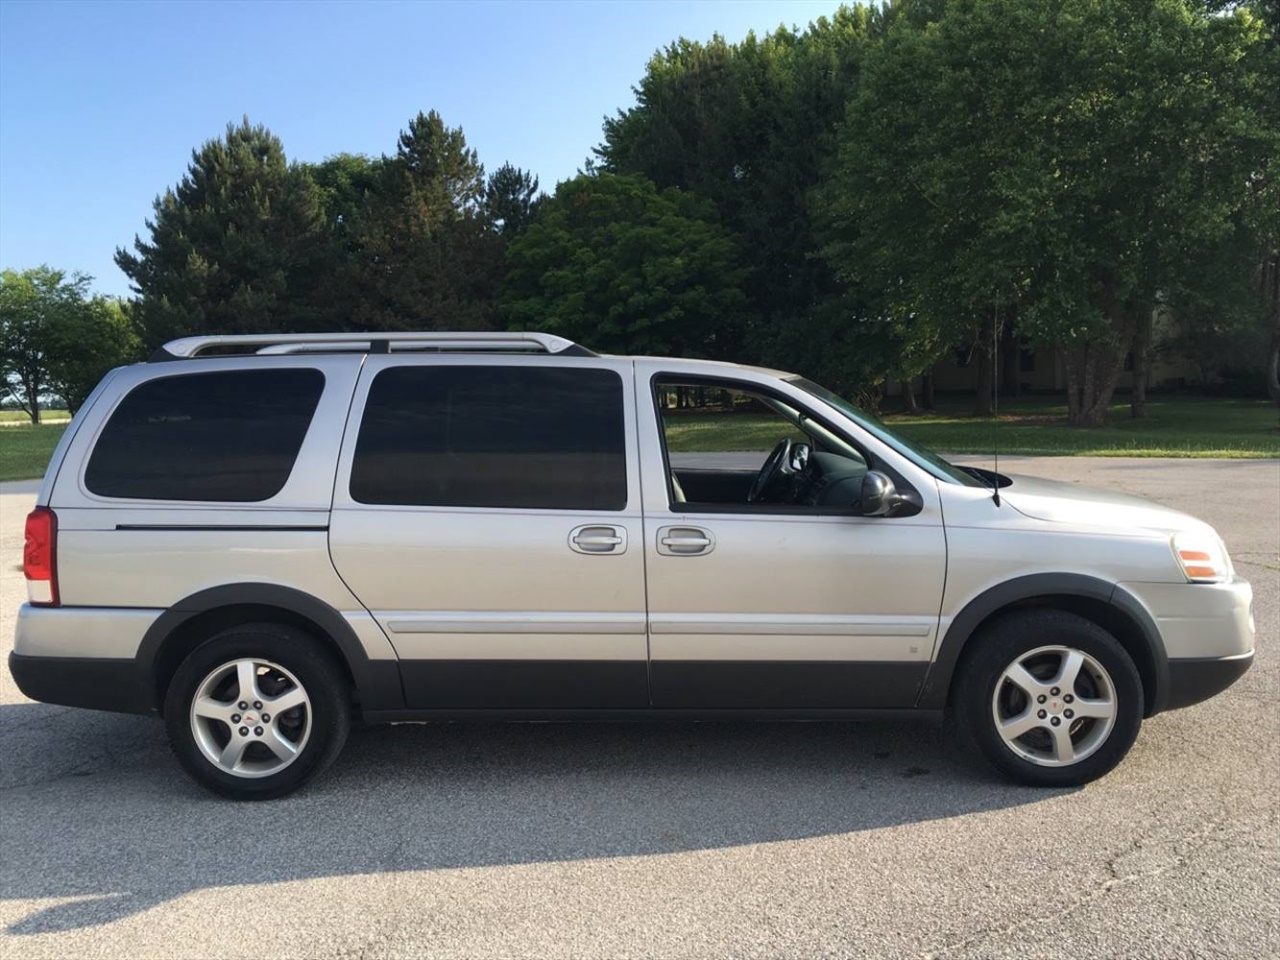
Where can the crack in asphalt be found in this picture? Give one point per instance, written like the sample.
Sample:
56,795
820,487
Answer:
1214,835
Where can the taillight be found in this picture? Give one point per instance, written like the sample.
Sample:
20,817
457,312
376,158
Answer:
40,557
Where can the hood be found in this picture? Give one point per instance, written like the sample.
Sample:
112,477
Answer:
1061,502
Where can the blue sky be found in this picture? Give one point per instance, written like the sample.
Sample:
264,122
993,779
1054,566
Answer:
101,102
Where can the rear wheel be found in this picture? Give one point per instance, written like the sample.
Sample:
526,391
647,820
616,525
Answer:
256,711
1049,698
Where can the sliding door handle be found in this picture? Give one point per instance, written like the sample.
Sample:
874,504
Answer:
598,538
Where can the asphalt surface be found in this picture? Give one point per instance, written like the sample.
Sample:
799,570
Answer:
596,840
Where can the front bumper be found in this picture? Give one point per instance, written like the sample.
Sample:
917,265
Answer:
1194,680
1200,620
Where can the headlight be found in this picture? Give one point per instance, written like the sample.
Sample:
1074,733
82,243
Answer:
1203,558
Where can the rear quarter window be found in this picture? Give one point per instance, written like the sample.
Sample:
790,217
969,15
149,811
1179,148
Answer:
504,436
226,436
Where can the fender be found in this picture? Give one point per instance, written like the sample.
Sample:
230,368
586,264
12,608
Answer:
377,682
1124,609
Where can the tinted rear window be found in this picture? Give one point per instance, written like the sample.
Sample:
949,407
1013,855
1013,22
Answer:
230,436
548,438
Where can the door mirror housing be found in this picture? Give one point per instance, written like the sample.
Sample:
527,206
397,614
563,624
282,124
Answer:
879,495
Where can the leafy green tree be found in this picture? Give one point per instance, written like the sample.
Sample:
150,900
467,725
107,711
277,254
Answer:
1066,159
750,126
87,342
31,303
350,189
55,338
234,247
348,185
621,266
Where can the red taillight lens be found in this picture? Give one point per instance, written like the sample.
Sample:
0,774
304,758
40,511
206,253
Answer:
40,557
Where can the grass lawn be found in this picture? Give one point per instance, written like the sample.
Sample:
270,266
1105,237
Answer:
1174,427
25,450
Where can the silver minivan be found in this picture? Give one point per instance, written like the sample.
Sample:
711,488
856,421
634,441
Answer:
263,538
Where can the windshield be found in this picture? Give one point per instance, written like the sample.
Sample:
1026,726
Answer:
918,455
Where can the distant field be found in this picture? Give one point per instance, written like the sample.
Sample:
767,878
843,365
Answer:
20,416
1175,427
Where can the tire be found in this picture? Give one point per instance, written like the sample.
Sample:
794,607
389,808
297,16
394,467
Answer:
249,752
1027,656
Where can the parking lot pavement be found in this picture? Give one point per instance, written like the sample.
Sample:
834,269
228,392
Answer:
596,840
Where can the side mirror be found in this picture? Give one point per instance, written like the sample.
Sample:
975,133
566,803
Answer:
879,495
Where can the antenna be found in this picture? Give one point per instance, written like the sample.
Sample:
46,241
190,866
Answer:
995,404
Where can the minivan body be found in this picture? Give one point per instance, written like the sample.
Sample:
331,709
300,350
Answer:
263,538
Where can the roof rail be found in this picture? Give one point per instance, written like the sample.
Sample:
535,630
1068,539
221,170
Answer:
288,343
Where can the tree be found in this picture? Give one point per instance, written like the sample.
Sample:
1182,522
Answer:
350,189
750,126
621,266
234,247
426,257
57,339
87,342
1064,158
511,200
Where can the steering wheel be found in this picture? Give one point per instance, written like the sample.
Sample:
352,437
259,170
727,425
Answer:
774,464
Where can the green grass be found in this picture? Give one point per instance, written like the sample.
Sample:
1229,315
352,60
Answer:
25,450
1174,427
20,416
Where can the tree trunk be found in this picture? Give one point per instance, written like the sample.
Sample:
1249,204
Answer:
1010,363
1269,288
909,395
1141,365
1094,369
1273,370
926,392
1092,374
986,372
31,387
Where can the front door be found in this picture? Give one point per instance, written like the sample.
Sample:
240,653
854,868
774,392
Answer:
769,592
487,513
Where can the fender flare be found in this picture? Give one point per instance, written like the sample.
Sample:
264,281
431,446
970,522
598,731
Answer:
937,684
377,682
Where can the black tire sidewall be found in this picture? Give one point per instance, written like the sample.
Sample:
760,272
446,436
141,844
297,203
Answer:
315,670
1008,639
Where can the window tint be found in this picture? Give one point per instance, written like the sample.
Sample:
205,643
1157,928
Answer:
229,436
549,438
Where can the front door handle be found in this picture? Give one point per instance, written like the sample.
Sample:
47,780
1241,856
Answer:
685,541
598,538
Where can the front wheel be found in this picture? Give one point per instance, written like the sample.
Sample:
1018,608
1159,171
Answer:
256,711
1049,698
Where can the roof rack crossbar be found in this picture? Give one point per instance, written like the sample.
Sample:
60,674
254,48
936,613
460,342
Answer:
286,343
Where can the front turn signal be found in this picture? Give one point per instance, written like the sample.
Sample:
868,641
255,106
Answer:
1203,560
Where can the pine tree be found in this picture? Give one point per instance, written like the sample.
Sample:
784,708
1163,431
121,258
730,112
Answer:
427,257
234,247
511,200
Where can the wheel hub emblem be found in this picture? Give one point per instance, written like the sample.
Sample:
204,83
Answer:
250,719
1055,705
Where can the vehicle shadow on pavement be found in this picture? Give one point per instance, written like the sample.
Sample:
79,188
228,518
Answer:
93,807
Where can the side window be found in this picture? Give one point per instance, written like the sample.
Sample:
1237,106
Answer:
230,436
731,447
502,436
